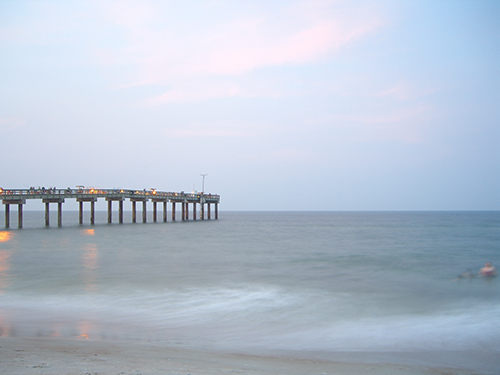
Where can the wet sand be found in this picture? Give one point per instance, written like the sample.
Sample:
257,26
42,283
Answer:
63,356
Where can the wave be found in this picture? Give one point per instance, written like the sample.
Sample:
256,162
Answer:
251,316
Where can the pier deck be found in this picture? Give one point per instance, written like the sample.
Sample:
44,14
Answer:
47,196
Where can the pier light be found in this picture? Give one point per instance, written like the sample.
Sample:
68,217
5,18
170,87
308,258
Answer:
121,191
1,190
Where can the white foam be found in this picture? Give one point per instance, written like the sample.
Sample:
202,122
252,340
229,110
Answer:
259,316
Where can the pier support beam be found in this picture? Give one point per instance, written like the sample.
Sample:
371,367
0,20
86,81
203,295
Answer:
59,202
47,214
110,210
208,211
183,211
80,212
120,211
92,213
134,212
155,210
173,211
187,211
216,211
202,211
194,210
59,214
20,216
92,201
19,202
7,216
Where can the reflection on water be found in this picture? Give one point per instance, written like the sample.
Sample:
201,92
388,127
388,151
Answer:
88,232
84,328
6,236
90,259
4,270
4,327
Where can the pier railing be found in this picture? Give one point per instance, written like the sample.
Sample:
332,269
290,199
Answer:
81,194
100,193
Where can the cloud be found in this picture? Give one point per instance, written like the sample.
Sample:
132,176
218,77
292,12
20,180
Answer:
207,130
40,23
408,125
205,88
404,91
10,124
192,93
167,48
292,154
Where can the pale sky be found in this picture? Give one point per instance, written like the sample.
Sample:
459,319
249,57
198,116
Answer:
287,105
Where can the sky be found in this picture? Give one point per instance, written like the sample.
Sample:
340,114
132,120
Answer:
285,105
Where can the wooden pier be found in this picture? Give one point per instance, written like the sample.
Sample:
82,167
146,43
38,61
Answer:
19,196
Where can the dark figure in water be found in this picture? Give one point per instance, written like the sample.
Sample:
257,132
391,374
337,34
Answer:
467,275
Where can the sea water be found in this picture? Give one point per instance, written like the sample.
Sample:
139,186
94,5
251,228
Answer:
258,282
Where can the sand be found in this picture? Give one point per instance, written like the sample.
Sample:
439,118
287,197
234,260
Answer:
65,356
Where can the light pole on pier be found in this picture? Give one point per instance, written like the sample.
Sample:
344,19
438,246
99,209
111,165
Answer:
203,183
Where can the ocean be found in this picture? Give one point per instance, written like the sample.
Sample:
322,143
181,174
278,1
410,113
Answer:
331,285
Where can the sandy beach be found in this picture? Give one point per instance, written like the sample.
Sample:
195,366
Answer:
62,356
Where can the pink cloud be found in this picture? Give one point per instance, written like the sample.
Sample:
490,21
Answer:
172,52
7,124
187,93
404,91
216,130
407,125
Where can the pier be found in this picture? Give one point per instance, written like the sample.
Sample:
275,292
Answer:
87,195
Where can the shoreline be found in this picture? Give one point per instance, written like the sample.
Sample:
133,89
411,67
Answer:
79,356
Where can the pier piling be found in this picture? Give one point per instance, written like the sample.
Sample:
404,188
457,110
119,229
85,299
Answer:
47,214
19,216
110,208
7,216
59,214
19,203
120,211
80,199
92,212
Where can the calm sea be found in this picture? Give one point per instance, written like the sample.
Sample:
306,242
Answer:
304,282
